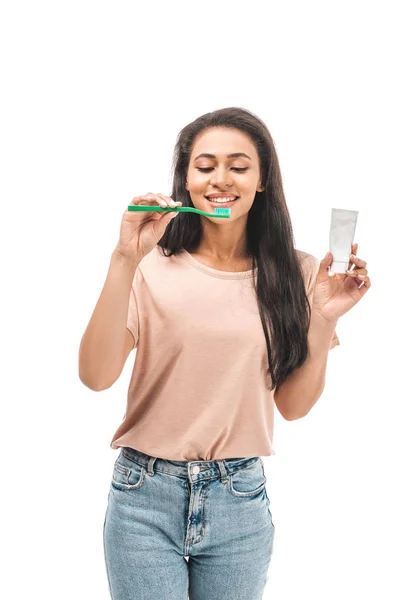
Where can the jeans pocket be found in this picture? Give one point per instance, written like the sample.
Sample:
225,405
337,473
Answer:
127,474
249,481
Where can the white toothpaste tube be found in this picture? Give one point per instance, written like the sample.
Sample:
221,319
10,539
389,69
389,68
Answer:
341,238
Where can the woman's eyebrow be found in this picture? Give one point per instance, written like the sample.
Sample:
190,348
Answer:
234,155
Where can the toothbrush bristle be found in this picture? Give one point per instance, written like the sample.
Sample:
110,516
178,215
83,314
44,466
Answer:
222,211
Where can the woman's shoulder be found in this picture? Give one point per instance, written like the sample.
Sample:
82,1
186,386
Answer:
309,265
306,258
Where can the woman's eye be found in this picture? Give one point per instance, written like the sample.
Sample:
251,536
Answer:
233,168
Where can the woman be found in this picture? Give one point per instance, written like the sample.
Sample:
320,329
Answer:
228,320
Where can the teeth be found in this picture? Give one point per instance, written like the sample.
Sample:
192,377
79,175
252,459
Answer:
221,200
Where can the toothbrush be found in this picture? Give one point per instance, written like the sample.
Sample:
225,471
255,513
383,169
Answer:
220,213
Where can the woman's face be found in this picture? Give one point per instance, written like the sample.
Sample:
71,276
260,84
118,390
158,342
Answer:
232,176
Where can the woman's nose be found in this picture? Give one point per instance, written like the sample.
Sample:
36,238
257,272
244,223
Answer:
221,179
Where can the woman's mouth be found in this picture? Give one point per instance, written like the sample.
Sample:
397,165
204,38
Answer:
222,201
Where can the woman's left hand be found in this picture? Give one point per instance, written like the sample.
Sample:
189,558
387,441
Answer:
336,294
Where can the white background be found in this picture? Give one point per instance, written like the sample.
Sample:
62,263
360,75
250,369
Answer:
93,97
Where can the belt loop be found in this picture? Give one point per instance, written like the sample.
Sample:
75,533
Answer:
224,475
150,464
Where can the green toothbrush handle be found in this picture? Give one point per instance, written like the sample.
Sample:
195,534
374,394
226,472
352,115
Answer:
151,208
160,208
222,213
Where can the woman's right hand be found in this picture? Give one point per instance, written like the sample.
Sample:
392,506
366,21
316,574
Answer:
141,230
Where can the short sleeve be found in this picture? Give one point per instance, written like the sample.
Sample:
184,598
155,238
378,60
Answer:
132,322
310,267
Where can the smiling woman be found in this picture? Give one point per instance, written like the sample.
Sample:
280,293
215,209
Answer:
226,153
216,243
197,423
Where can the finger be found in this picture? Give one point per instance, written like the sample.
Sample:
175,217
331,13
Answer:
147,200
357,261
365,283
137,200
161,200
165,201
170,201
356,272
354,249
157,198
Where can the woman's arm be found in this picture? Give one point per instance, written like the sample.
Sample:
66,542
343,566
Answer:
301,390
104,345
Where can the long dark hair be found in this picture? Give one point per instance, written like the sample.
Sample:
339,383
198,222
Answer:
280,290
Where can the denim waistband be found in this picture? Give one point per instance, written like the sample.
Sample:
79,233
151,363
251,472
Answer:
187,468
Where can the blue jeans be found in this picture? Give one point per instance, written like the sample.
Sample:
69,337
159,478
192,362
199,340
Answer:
187,529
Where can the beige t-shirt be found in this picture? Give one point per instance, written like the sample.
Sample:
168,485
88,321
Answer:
198,389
